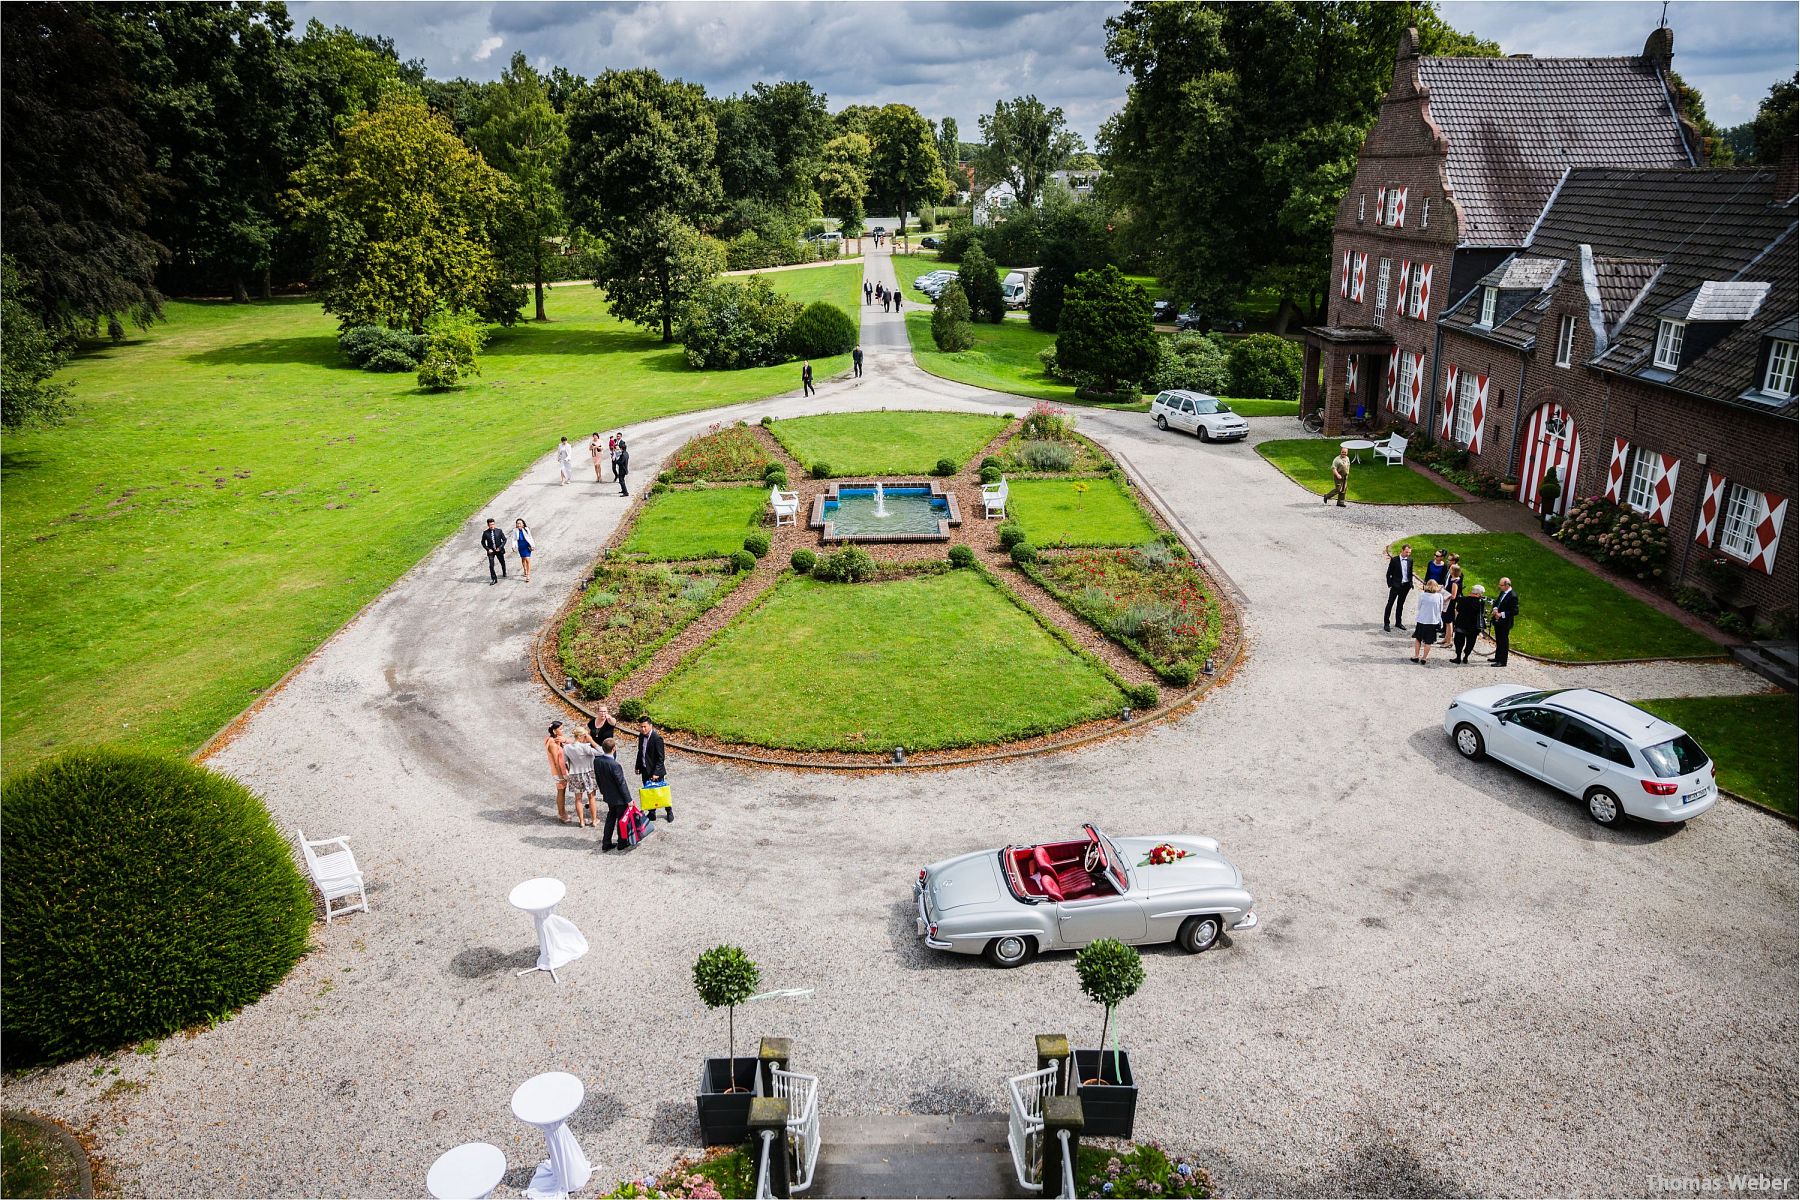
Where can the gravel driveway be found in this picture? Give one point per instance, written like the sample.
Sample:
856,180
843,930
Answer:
1460,984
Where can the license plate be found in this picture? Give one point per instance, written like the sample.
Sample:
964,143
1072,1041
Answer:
1702,794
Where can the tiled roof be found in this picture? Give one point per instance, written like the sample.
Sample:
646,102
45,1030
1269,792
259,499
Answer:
1621,281
1726,301
1515,124
1732,369
1523,271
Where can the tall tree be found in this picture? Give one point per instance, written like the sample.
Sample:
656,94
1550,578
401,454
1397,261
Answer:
1025,142
29,356
652,269
75,195
904,164
1777,122
770,140
520,134
843,183
405,218
856,118
340,74
950,152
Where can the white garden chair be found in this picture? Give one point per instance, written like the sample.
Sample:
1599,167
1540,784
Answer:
1393,451
336,875
786,506
993,499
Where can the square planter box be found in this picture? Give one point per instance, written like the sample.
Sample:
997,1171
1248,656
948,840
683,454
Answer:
727,1085
1110,1107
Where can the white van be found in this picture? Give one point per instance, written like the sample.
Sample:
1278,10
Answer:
1015,289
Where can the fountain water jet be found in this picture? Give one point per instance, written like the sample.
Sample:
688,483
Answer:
880,501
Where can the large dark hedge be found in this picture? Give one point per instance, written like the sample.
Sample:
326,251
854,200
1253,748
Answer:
821,330
141,894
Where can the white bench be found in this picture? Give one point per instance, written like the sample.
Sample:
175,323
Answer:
1393,451
786,506
993,499
335,875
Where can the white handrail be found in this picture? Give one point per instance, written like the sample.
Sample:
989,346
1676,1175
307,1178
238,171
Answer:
762,1170
1068,1167
1025,1125
802,1094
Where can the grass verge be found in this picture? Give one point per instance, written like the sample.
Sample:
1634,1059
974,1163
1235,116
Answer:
885,443
1307,461
1752,739
1077,512
702,523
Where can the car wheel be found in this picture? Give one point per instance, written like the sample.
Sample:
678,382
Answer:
1203,432
1469,743
1009,951
1199,933
1604,807
1162,423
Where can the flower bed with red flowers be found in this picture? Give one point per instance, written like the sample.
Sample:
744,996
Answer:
723,453
1152,600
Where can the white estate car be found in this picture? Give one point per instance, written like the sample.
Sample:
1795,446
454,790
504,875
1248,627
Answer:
1620,760
1197,412
932,282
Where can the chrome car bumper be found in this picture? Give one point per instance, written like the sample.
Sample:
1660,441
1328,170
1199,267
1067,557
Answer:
924,925
1249,921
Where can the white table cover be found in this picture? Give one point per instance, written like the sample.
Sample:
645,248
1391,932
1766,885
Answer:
547,1101
467,1172
559,941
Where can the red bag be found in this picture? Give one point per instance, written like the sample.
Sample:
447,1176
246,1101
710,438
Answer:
634,826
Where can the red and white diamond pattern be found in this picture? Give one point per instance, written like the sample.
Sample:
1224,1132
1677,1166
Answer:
1479,412
1710,500
1399,213
1615,470
1447,420
1424,293
1381,206
1393,377
1360,277
1662,493
1344,277
1418,386
1768,532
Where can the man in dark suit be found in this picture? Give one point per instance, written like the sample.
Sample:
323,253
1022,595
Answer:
493,540
621,465
1506,611
610,778
806,379
652,761
1400,581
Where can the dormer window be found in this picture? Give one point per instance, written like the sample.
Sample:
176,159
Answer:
1669,335
1778,379
1490,300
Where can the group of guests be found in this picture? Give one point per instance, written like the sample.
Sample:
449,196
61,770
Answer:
887,297
1449,612
585,763
613,452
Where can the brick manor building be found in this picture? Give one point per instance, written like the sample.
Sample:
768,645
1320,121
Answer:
1587,300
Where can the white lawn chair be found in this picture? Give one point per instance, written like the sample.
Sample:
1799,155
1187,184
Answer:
1393,451
336,875
786,506
993,499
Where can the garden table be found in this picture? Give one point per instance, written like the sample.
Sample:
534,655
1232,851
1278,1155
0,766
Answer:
547,1101
1355,447
559,942
468,1172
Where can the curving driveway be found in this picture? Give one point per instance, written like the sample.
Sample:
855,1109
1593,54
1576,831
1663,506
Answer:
1460,984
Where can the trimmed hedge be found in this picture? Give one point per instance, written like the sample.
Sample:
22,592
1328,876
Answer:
803,560
757,543
821,330
961,556
142,894
743,560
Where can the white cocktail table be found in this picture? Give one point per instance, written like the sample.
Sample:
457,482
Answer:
547,1101
559,942
1355,447
468,1172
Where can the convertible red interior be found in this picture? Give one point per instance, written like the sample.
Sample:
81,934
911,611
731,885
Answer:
1054,871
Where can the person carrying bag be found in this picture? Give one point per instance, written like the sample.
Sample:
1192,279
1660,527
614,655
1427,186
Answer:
653,773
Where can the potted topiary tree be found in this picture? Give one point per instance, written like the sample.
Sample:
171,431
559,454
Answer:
1110,971
1549,488
725,977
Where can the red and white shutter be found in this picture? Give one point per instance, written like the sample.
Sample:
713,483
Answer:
1615,470
1404,299
1393,376
1344,276
1712,498
1351,363
1447,420
1418,386
1662,492
1360,278
1424,292
1399,209
1476,417
1773,510
1381,206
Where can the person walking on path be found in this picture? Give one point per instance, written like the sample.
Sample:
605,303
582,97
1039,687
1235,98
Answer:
868,291
594,449
522,535
612,456
610,778
622,466
565,460
806,379
559,768
652,760
856,361
1467,620
881,291
1340,477
1429,618
1506,611
493,541
580,753
1400,579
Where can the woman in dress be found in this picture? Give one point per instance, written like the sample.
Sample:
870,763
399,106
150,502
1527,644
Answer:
1429,616
522,536
595,449
1438,569
565,459
1453,590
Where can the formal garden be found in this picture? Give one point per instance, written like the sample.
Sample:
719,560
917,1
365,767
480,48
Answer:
738,634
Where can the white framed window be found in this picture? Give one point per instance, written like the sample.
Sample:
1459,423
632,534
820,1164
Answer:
1425,213
1403,393
1640,488
1778,380
1565,341
1392,215
1669,335
1362,207
1738,534
1381,285
1490,300
1415,303
1463,432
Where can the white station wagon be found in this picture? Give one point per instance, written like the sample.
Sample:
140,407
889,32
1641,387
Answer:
1198,413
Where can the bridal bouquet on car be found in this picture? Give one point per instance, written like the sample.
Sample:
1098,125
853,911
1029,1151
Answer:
1163,854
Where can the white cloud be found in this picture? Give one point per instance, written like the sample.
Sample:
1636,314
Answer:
488,45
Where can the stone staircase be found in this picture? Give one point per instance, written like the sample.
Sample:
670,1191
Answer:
1774,661
909,1156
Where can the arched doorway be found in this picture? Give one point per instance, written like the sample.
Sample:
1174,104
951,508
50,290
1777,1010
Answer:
1552,445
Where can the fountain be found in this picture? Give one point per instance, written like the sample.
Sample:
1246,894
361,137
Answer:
880,500
872,511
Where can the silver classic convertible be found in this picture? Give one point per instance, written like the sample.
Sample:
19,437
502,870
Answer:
1010,903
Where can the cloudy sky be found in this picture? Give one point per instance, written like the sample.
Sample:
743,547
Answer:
957,59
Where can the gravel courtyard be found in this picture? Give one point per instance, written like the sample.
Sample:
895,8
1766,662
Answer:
1460,984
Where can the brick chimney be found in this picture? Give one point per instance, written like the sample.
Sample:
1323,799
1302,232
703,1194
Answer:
1659,48
1787,174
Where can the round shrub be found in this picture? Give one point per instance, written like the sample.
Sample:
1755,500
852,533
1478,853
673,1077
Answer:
821,470
757,543
666,477
1181,674
1024,552
439,373
991,474
944,467
803,561
1010,535
1266,366
821,330
378,348
777,478
852,564
657,489
766,421
142,894
631,710
734,324
1143,695
743,560
991,460
772,471
962,556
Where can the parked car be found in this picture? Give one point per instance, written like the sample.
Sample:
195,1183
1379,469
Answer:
879,231
1618,759
1162,311
1011,903
932,282
1015,289
928,243
1198,413
1190,318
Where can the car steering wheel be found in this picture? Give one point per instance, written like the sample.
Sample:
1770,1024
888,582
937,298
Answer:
1090,859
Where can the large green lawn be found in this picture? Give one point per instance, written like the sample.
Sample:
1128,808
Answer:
1307,461
1753,740
1003,359
871,666
1077,512
704,523
1566,610
886,443
230,491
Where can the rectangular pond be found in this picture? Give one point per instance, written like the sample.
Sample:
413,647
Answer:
875,512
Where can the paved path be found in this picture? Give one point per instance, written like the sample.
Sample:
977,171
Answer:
1460,984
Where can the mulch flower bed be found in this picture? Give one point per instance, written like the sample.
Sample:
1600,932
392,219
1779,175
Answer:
724,453
1154,601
